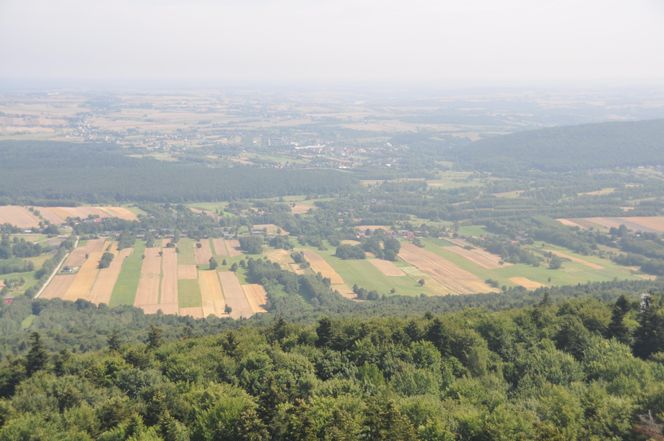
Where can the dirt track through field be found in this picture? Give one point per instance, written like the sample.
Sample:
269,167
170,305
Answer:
453,279
107,277
211,295
18,216
478,256
525,282
168,301
234,295
147,294
387,268
204,253
256,296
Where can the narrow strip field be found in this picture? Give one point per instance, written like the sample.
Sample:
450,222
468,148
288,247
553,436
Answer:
452,279
319,265
187,272
387,268
107,277
219,246
203,253
124,291
58,286
211,295
147,294
234,295
189,294
186,252
233,247
256,296
576,259
86,276
168,300
478,256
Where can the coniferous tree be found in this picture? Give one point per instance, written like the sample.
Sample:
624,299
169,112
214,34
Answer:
37,356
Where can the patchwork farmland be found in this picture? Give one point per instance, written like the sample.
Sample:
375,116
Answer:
160,278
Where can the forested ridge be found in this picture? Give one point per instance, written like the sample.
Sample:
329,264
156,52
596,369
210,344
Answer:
576,370
581,147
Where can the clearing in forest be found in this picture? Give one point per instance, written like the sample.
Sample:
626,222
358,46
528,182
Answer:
451,278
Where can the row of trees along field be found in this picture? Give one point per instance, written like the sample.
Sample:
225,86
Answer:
578,370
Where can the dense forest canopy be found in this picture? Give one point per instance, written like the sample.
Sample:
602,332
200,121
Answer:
577,370
581,147
103,173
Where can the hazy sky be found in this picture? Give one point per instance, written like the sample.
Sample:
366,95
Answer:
419,41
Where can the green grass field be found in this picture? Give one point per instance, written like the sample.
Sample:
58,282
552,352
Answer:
189,294
186,252
124,291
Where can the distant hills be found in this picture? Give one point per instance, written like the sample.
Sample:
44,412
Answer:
588,146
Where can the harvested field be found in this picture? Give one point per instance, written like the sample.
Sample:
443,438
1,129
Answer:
103,287
168,300
187,272
58,286
78,256
211,295
18,216
301,208
647,224
283,258
85,279
387,268
319,265
59,215
233,247
147,294
219,246
576,259
478,256
204,253
526,283
195,312
453,279
256,296
234,295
